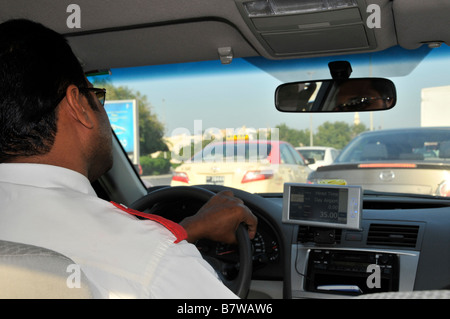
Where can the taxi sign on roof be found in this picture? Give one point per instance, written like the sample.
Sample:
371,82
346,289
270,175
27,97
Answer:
238,137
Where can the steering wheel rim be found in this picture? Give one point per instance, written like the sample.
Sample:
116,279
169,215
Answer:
241,284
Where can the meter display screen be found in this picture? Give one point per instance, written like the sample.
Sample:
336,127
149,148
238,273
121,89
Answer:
319,204
337,206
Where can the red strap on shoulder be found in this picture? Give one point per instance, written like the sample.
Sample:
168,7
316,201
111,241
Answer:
176,229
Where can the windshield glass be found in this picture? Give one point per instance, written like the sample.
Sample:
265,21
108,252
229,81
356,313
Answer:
176,110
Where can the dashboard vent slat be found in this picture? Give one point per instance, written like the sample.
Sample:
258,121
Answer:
393,235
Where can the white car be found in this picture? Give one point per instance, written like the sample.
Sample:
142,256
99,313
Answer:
322,155
253,166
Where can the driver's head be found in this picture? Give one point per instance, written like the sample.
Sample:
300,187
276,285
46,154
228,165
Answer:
37,67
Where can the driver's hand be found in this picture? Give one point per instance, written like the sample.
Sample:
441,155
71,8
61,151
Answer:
219,219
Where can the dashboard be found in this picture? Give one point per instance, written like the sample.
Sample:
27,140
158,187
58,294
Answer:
402,245
265,249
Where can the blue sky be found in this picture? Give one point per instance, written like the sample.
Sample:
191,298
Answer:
182,93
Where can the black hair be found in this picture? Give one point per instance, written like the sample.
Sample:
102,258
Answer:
36,67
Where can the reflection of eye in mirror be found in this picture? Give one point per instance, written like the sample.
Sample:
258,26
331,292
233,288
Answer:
364,95
353,95
364,103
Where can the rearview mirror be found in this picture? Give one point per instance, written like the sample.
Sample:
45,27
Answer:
352,95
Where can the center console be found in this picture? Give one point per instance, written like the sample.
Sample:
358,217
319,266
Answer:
321,268
351,272
331,272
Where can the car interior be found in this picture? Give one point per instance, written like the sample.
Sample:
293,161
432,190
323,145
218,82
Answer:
406,237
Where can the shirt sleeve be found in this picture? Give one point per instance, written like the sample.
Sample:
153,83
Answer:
184,274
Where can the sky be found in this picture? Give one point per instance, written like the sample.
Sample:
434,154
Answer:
181,94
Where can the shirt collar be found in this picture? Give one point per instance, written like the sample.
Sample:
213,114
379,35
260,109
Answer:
45,176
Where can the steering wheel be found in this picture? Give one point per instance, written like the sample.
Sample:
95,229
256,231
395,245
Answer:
239,285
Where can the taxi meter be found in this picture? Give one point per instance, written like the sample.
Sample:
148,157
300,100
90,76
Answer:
323,205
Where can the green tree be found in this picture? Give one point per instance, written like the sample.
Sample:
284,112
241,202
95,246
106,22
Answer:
357,129
293,136
151,130
337,134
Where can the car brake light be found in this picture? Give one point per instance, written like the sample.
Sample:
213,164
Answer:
253,176
180,177
388,165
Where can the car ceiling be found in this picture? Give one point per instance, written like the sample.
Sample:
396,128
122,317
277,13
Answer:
123,33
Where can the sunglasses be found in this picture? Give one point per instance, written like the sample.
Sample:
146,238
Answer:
99,93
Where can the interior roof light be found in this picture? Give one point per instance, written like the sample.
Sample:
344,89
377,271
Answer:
261,8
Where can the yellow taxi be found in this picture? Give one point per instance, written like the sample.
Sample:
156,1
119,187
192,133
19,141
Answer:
256,166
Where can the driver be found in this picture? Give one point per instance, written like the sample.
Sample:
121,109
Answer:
55,139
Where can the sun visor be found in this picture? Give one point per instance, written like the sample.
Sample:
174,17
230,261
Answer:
421,22
371,64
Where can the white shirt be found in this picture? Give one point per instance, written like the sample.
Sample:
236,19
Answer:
124,257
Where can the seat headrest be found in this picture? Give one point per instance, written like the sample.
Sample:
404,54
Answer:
28,271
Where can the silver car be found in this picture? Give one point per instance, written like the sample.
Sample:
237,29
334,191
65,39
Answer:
415,160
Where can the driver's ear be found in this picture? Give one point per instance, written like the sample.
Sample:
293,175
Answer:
78,106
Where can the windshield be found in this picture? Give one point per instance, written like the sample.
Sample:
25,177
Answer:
176,110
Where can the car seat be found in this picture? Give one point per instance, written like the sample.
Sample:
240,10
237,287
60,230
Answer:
31,272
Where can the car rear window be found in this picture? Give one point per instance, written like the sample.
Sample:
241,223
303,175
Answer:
237,152
318,155
418,145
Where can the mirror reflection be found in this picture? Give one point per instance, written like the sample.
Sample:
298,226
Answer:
352,95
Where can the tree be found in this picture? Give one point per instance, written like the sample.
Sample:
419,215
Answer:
293,136
337,134
151,130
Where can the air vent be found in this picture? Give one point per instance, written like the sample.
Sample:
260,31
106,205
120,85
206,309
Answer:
393,235
305,234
